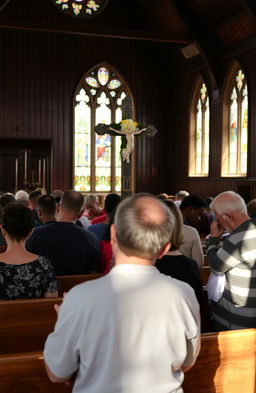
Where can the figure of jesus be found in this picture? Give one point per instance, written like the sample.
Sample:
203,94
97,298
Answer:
129,129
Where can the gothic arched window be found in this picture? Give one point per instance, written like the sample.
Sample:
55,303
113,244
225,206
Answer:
97,160
235,136
199,132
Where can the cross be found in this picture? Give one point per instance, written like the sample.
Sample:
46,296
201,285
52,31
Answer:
128,131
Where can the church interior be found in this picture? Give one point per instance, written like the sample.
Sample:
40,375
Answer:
183,72
164,51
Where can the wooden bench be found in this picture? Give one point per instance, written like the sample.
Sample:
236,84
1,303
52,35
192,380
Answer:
68,282
25,373
226,364
25,324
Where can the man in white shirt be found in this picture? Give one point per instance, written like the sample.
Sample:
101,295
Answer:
133,330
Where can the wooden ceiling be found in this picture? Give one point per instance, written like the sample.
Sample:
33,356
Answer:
219,28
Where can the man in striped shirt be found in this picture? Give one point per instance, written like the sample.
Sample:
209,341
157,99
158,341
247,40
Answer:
236,258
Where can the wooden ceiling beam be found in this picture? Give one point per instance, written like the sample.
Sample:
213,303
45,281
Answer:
126,34
203,38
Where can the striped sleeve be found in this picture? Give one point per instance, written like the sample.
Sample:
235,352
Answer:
222,259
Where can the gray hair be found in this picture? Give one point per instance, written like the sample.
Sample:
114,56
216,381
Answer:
181,194
141,230
21,195
228,201
91,200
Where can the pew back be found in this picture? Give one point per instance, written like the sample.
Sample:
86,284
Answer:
226,364
67,282
25,324
24,373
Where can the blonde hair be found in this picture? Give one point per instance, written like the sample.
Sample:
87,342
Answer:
177,238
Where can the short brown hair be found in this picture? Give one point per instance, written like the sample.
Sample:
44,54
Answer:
72,200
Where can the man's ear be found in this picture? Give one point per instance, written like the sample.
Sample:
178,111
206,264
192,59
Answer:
164,250
39,212
113,234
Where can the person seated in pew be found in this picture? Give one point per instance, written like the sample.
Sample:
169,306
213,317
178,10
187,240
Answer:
33,198
111,202
46,209
106,252
192,209
175,264
71,249
135,329
93,208
236,259
23,274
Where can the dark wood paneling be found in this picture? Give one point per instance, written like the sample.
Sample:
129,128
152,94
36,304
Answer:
39,73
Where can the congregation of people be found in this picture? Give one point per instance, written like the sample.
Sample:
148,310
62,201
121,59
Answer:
151,251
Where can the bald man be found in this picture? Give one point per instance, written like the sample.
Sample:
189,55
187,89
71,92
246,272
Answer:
134,330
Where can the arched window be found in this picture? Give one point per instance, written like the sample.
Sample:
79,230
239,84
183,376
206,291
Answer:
97,161
235,134
199,131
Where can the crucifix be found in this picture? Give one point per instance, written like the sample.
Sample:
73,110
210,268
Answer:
128,129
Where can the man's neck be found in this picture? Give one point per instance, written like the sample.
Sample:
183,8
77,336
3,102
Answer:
64,216
240,220
122,259
47,219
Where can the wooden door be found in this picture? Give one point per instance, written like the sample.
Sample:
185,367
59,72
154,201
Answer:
25,164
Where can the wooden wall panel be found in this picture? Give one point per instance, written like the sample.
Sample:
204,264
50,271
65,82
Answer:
38,75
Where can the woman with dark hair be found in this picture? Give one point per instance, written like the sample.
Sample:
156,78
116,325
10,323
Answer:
174,263
23,274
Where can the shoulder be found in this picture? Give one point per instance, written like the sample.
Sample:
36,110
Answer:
176,288
190,231
39,231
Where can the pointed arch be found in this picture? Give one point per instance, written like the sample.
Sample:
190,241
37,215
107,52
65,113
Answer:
199,130
98,98
235,123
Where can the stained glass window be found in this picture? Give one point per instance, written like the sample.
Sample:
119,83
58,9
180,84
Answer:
199,149
238,126
97,159
81,8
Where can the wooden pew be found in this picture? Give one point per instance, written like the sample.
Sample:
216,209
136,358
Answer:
226,364
24,373
25,324
68,282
